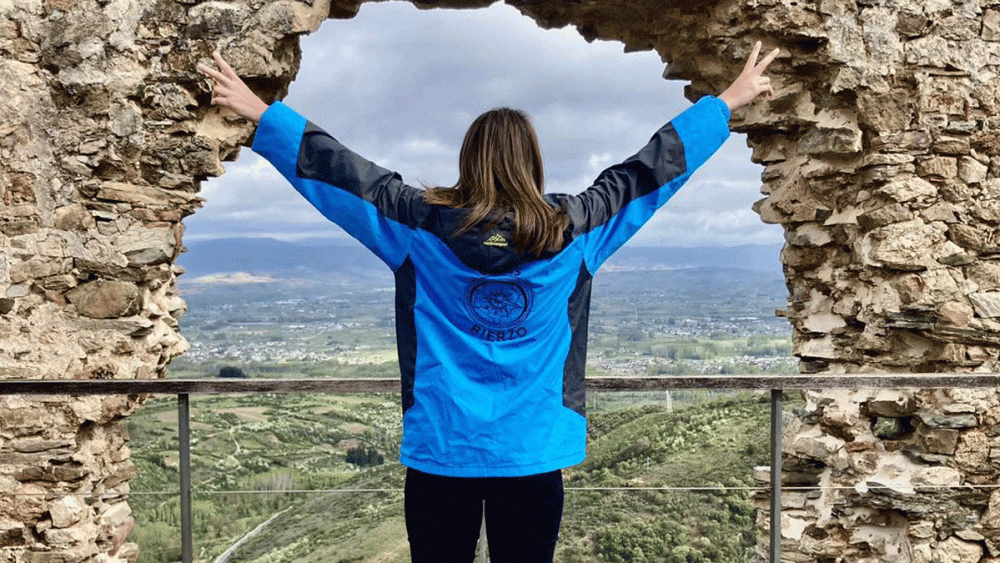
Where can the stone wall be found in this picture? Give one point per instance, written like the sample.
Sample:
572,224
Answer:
882,162
104,139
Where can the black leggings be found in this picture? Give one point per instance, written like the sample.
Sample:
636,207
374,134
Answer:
443,516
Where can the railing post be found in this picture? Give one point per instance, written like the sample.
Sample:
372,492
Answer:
776,431
184,444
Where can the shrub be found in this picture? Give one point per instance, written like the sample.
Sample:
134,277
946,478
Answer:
231,372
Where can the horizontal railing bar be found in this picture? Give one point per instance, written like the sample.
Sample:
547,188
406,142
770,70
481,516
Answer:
391,385
876,487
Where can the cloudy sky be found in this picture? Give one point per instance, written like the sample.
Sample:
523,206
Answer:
400,86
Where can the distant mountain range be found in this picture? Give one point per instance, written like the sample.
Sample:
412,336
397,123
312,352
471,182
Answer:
270,258
755,257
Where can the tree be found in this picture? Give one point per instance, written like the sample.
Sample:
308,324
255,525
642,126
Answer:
364,456
230,371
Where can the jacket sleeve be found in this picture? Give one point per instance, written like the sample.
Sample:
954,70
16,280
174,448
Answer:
626,195
369,202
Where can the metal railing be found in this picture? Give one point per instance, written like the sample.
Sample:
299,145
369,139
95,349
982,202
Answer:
776,384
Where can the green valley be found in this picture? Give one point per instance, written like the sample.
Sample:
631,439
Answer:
254,455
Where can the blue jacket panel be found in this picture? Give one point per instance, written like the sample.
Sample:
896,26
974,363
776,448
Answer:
491,342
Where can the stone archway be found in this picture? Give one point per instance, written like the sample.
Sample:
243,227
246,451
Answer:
881,152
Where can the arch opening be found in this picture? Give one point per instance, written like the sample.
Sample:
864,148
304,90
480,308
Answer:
612,133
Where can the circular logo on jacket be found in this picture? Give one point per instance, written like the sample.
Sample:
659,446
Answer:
499,304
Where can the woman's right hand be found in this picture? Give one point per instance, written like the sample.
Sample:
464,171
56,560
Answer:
230,91
751,83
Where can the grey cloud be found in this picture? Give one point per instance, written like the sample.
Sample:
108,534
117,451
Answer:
400,86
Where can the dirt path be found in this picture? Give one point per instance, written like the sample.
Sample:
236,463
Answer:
389,553
229,552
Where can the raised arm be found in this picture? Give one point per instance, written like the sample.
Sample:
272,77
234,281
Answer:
230,91
626,195
369,202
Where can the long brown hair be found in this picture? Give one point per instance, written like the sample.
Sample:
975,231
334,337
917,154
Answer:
500,171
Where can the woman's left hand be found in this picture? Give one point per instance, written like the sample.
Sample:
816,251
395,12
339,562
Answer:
230,91
751,83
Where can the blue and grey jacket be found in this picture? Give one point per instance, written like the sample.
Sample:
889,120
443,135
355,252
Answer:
492,343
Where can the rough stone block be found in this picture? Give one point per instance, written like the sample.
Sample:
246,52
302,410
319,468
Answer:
973,452
831,141
941,211
991,25
38,268
38,444
117,515
955,191
13,534
967,401
940,95
967,236
916,141
25,503
134,326
969,535
885,112
954,550
986,211
74,218
971,171
985,274
957,28
951,145
991,517
962,127
816,445
938,167
106,299
937,477
908,189
822,323
129,553
145,246
938,440
951,254
886,159
967,420
65,512
922,529
892,403
64,538
792,528
986,304
214,19
68,555
885,215
818,348
902,246
809,234
803,258
955,313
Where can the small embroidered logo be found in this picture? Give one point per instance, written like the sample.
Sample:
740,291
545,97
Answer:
496,240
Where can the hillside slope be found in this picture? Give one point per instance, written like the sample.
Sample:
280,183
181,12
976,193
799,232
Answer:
358,516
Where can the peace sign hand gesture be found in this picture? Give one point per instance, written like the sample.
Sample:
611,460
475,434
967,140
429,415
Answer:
751,82
230,91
